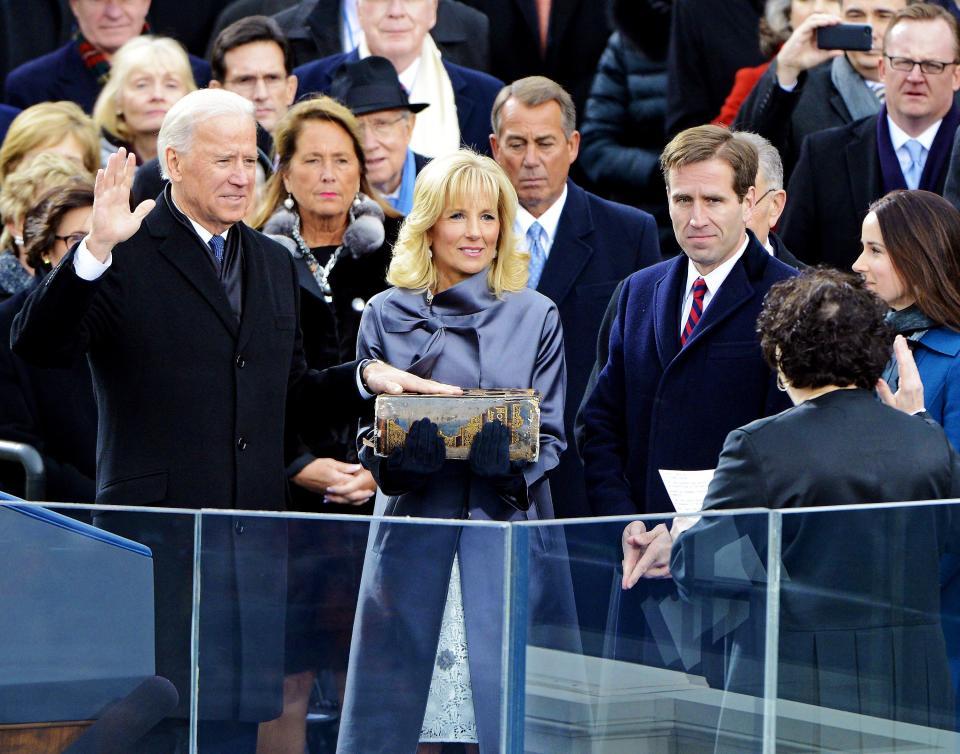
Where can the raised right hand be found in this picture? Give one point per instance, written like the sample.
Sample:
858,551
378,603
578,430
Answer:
112,221
800,52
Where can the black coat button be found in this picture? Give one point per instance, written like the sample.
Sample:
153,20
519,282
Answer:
241,362
242,443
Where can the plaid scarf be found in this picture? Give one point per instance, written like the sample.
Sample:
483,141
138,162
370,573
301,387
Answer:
95,60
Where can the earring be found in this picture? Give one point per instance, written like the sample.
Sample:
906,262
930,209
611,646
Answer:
358,200
288,203
430,252
781,383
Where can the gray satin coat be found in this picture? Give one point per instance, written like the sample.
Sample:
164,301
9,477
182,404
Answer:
466,337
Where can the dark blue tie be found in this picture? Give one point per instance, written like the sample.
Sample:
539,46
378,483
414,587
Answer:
216,244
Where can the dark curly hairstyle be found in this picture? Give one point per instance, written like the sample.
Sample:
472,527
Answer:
824,328
42,221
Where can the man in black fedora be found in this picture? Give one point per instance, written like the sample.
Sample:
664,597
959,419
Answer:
372,90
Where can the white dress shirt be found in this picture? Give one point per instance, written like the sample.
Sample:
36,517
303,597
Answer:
899,137
713,279
549,221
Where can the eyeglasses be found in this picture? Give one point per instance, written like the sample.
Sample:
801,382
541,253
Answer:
73,239
248,84
381,128
926,66
765,194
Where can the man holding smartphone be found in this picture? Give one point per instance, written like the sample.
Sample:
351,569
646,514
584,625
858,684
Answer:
907,145
808,89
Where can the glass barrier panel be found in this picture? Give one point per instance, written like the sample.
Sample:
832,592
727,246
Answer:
869,634
321,633
95,619
642,663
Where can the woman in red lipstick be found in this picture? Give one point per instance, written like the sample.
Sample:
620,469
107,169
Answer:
309,206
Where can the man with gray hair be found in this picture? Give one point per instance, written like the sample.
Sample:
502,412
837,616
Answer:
581,246
190,320
771,197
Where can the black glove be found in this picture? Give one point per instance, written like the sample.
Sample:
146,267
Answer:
422,455
490,459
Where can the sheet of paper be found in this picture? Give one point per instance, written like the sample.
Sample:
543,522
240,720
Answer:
687,489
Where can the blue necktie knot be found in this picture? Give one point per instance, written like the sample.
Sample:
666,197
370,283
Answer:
216,245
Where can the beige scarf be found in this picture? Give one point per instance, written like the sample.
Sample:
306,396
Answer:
437,131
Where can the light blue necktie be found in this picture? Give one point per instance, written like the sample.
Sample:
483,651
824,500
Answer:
216,245
912,174
538,257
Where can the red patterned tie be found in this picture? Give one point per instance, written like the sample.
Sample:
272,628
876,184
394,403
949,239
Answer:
696,309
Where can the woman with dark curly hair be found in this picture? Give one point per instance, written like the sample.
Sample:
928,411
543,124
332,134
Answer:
860,599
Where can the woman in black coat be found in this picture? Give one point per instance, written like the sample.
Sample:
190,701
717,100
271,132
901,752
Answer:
320,206
859,622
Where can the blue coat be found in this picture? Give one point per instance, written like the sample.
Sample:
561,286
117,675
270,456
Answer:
473,93
61,75
597,244
656,406
937,355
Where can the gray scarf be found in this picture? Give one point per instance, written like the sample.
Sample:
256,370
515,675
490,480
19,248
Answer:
857,96
912,324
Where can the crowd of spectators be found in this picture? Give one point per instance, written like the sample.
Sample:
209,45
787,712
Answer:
657,150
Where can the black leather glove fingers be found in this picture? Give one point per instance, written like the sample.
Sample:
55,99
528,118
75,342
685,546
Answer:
490,459
422,455
490,452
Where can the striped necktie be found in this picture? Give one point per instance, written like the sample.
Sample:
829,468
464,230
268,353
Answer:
696,310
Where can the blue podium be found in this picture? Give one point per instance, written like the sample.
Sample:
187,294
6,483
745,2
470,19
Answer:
76,616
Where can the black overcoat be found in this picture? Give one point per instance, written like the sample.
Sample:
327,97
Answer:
191,407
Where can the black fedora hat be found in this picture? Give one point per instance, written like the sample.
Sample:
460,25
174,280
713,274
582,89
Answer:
369,85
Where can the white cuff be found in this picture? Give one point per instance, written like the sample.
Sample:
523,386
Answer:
364,393
86,265
788,88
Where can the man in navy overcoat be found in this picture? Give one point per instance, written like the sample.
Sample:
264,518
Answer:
685,366
473,91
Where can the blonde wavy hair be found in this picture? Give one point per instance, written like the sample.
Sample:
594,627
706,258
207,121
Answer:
448,181
44,126
23,189
142,53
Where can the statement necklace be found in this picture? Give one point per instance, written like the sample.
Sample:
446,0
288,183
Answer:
321,273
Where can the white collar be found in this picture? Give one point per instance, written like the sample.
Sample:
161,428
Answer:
549,220
205,235
714,279
899,137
